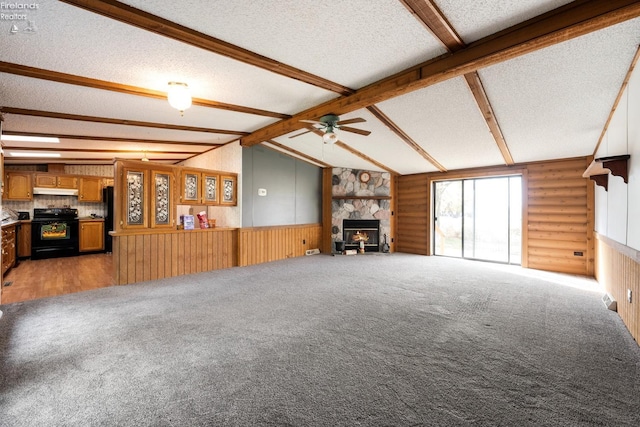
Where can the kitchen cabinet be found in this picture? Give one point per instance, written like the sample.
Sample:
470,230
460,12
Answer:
56,181
199,187
162,203
18,186
91,235
8,247
191,186
90,189
134,202
229,187
24,239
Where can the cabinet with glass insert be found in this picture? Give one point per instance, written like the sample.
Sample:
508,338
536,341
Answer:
135,197
162,206
200,187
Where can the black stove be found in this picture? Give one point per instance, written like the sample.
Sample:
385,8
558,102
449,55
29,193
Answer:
54,233
55,213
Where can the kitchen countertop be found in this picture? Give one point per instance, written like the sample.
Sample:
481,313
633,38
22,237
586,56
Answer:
11,222
88,218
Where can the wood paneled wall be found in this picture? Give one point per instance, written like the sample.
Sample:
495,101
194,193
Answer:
156,255
618,270
264,244
560,217
413,214
558,213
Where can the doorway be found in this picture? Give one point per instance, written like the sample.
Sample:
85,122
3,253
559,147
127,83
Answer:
479,218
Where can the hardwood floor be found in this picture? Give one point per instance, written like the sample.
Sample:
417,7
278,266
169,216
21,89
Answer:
57,276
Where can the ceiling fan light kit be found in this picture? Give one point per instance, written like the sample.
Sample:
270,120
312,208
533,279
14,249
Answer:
179,96
330,123
330,137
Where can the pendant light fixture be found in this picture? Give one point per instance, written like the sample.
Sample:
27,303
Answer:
179,96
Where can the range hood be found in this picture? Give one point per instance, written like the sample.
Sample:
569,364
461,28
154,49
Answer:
55,191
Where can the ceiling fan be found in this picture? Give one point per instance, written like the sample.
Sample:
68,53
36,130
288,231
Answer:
329,124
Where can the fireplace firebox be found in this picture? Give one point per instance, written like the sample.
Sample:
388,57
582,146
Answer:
367,231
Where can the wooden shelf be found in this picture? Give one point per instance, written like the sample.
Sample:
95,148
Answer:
599,169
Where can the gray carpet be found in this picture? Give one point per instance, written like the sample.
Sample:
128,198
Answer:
381,340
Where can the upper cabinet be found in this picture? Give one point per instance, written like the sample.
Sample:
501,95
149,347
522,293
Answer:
55,181
204,187
148,194
135,206
162,203
229,188
191,185
18,186
90,189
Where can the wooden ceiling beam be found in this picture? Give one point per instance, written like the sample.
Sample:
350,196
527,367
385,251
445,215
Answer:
562,24
77,117
306,157
155,24
429,14
111,139
406,138
475,84
623,88
96,150
357,153
54,76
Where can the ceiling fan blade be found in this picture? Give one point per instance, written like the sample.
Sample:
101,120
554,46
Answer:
315,122
355,130
350,121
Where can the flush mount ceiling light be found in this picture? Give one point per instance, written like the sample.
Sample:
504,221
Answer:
32,154
179,96
27,138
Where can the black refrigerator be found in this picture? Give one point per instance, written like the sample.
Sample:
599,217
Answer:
107,197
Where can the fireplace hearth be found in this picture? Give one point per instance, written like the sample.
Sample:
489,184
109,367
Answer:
367,231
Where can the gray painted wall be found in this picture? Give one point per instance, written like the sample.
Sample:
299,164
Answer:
294,189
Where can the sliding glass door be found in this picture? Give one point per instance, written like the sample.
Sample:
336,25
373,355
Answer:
479,218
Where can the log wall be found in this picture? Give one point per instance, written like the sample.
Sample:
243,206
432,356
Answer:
618,270
558,213
413,214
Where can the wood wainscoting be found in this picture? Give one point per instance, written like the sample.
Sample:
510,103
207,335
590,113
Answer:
618,270
155,254
264,244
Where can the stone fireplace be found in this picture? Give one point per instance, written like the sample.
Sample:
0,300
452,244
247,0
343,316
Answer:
366,231
360,195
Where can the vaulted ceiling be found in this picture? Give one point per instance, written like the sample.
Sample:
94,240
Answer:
442,84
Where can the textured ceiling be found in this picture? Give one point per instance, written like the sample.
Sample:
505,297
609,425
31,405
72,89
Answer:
549,103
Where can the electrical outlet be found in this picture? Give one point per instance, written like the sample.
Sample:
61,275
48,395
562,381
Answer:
629,295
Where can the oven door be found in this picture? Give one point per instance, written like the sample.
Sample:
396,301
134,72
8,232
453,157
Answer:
53,238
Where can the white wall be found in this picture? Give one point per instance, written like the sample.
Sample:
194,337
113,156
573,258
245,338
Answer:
229,159
618,209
